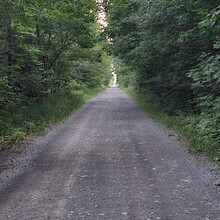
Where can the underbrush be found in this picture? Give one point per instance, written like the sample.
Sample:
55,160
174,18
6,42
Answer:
193,128
35,118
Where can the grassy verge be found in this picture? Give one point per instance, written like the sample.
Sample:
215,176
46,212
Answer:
37,117
91,93
181,123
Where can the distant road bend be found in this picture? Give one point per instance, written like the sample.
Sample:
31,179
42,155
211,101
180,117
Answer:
111,161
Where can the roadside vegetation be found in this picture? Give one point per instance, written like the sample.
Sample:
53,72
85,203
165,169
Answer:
35,117
51,60
167,54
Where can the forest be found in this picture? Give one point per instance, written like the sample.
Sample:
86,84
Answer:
167,53
54,55
51,58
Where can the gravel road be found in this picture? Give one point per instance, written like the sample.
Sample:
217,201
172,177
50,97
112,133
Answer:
108,161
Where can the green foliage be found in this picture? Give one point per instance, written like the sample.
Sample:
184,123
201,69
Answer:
206,86
212,19
38,116
162,41
48,50
125,74
169,53
201,130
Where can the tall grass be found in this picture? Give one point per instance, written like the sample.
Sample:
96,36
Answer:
181,123
36,117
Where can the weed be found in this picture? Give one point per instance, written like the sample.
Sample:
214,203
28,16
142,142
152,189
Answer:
36,117
183,124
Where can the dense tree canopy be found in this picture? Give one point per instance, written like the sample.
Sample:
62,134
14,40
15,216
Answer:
166,50
170,50
47,46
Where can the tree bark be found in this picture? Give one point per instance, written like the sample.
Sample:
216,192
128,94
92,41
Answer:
8,41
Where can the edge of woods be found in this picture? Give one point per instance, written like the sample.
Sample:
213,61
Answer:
180,123
52,59
37,117
168,56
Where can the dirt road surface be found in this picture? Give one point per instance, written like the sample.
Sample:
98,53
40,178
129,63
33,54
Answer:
108,161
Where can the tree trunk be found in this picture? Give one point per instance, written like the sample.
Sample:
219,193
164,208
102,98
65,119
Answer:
8,41
38,35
